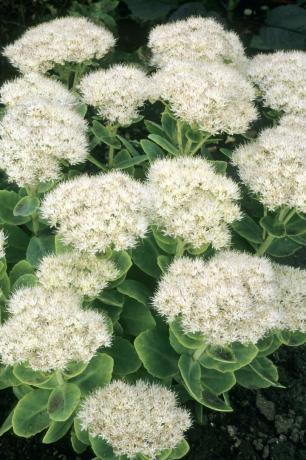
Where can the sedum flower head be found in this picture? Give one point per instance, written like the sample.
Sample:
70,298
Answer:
197,39
292,297
48,329
35,85
188,200
214,97
85,273
280,77
117,92
2,244
143,418
274,166
62,40
229,298
99,212
36,136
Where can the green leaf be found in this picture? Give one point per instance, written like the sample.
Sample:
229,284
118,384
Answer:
8,201
248,229
7,424
135,290
128,145
123,262
299,239
268,350
156,353
102,134
243,355
73,369
296,226
191,375
145,257
169,126
28,376
179,451
127,163
273,226
97,374
154,128
23,267
191,341
5,285
152,150
136,318
82,435
30,415
292,339
57,430
261,373
63,401
76,444
21,390
164,144
101,448
38,248
212,401
163,262
283,247
217,382
25,281
17,243
125,358
220,167
165,242
227,152
111,297
26,206
7,378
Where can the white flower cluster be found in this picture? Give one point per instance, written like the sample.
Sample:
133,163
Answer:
48,329
188,200
99,212
280,77
135,419
2,244
36,136
229,298
117,92
84,273
196,39
214,97
274,166
62,40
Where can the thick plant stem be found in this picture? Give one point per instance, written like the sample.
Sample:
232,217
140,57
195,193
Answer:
96,163
180,248
60,377
112,129
199,145
265,245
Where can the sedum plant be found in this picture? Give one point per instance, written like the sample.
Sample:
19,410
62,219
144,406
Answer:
140,258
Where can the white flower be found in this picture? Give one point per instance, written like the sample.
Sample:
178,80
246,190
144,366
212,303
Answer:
35,85
48,329
196,39
143,418
99,212
117,92
280,77
229,298
214,97
36,136
85,273
274,166
188,200
62,40
292,297
2,244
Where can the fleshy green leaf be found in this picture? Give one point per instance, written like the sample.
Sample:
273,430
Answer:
57,430
7,424
145,257
8,201
135,290
101,448
30,415
136,318
28,376
217,382
273,226
63,401
23,267
38,248
191,374
26,206
125,358
152,150
248,229
179,451
283,247
164,144
97,374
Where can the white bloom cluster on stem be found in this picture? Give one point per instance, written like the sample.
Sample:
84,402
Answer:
189,200
2,244
196,38
274,166
135,419
35,136
35,85
82,272
280,77
214,97
99,212
229,298
62,40
48,329
117,92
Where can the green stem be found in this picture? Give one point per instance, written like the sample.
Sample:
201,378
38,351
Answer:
265,245
32,192
179,136
289,216
199,145
59,377
180,248
112,129
96,163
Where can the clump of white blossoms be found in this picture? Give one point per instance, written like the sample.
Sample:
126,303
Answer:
2,244
85,273
117,92
35,85
36,136
274,166
96,213
292,297
280,76
62,40
48,329
229,298
214,97
135,419
189,200
196,38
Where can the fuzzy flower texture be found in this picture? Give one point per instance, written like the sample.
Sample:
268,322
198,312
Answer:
99,212
135,419
196,39
188,200
229,298
62,40
84,273
36,136
48,330
274,166
117,92
214,97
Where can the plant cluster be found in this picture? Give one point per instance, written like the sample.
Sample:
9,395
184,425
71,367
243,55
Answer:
138,276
